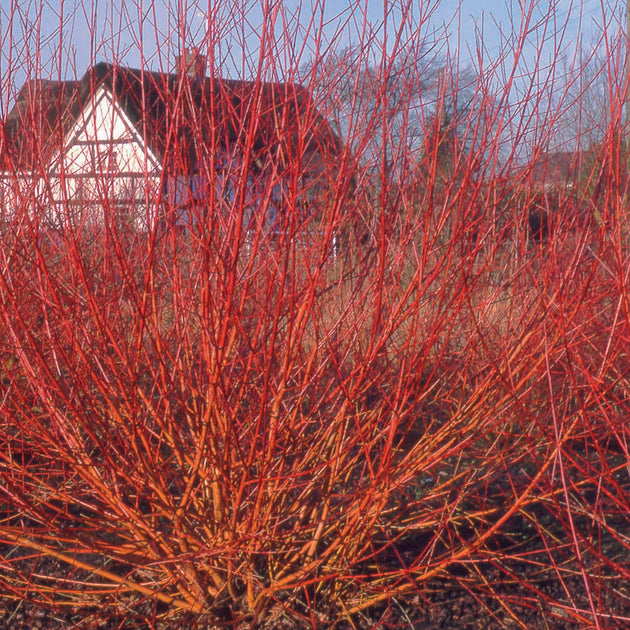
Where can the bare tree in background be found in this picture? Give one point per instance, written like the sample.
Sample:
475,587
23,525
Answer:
411,124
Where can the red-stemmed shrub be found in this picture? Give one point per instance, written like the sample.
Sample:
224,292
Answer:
392,388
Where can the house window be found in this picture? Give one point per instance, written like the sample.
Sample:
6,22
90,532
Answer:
106,162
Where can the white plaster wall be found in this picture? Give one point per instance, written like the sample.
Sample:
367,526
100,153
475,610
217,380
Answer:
104,167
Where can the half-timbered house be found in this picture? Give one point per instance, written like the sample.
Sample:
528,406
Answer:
146,148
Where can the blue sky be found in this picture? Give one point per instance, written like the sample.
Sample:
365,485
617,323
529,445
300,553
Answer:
62,38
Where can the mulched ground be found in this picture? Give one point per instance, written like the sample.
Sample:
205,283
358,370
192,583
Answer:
480,597
529,578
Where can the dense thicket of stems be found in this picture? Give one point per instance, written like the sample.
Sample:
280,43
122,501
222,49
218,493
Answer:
420,380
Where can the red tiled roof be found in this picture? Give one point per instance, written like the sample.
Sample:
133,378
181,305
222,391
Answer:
556,169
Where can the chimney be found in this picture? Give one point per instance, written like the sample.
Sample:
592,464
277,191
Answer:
192,63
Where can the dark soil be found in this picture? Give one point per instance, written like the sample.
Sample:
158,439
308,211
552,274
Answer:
527,576
502,593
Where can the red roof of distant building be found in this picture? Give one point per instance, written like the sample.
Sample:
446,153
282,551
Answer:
557,169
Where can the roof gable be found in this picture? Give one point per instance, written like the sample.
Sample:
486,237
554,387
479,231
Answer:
101,131
178,117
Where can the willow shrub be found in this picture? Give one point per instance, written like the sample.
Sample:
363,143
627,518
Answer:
398,392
